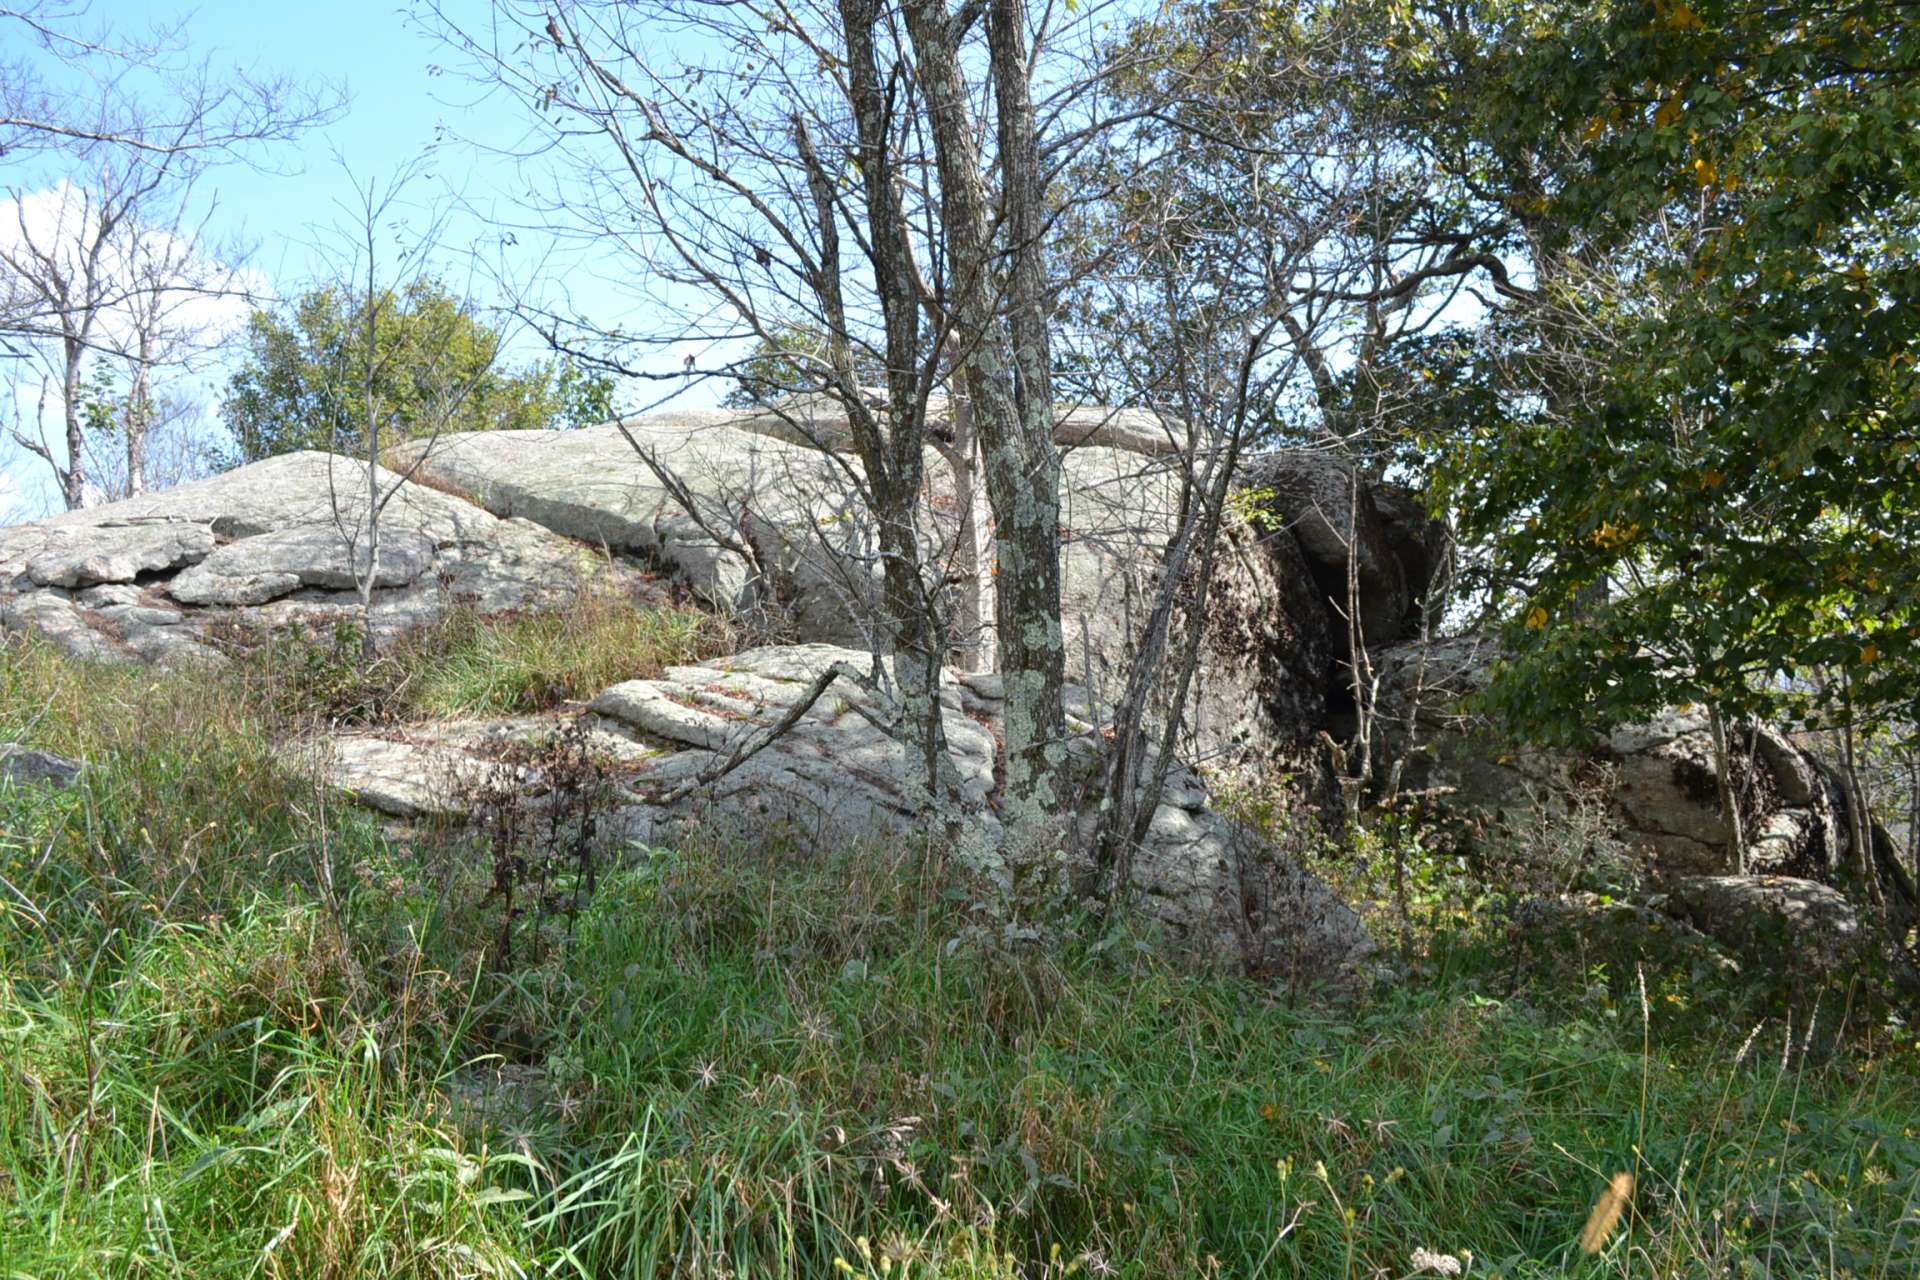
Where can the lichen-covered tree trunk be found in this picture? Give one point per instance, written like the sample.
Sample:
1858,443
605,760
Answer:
1007,366
892,448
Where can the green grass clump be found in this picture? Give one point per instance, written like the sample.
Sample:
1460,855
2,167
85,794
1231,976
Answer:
474,664
247,1032
478,666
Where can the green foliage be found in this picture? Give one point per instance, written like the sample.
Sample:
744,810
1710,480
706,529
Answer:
479,666
476,665
1733,188
436,367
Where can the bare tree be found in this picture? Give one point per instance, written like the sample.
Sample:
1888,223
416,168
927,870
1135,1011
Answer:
1265,247
841,169
67,265
77,83
131,120
443,385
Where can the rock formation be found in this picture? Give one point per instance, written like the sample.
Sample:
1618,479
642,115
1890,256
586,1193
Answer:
772,532
757,514
837,776
181,576
1655,779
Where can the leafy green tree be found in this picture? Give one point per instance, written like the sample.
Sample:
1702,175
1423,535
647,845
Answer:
302,382
1708,491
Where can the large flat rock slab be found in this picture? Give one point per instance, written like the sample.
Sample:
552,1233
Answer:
837,775
173,578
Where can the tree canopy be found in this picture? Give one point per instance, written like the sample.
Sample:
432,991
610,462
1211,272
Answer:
301,380
1710,408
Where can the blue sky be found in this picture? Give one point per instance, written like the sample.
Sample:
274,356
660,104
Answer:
290,211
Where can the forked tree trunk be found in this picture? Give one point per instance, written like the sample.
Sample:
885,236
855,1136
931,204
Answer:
1007,367
892,448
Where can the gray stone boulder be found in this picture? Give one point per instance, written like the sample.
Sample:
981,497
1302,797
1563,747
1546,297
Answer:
754,513
1564,937
819,422
112,551
51,614
1655,780
22,766
837,775
403,775
272,564
1774,923
177,577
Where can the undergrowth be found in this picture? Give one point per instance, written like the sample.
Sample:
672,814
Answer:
474,664
245,1032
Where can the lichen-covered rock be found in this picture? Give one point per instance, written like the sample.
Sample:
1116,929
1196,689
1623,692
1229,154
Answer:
400,775
1778,923
112,551
837,774
1566,936
24,766
1655,779
175,577
51,614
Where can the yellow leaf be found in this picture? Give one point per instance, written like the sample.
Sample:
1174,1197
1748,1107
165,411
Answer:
1713,478
1613,536
1667,112
1870,653
1704,173
1536,618
1682,18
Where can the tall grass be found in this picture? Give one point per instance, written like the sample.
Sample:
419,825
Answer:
478,666
474,664
246,1032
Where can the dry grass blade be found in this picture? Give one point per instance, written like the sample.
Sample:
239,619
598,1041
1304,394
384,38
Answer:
1606,1213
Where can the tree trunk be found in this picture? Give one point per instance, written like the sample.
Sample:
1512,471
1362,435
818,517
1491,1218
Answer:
73,483
892,448
972,629
139,420
372,533
1723,781
1008,380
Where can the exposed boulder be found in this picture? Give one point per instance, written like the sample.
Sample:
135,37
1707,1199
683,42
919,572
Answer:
403,776
24,766
819,422
173,577
758,520
112,551
255,570
1566,936
1656,779
1777,923
1331,512
52,614
837,774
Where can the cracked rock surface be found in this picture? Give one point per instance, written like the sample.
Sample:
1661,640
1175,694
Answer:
173,578
1215,889
777,538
